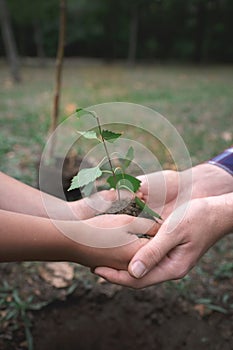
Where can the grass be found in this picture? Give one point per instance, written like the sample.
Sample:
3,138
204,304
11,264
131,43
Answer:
196,100
14,311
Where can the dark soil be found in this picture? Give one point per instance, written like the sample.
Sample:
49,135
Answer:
124,319
70,167
125,206
195,313
128,207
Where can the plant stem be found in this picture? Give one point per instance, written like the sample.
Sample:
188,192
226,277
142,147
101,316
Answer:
107,153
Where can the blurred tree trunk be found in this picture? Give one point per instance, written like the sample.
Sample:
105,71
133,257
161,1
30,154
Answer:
9,41
39,41
59,63
200,31
133,34
58,71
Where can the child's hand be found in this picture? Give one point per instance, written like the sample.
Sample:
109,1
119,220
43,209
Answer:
98,203
108,240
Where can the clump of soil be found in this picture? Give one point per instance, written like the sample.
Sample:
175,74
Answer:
129,207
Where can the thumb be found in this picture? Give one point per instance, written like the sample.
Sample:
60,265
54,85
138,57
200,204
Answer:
152,253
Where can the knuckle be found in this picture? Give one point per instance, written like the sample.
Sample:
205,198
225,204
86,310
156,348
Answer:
152,255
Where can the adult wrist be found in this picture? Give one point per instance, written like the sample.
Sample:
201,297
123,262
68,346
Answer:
210,180
222,209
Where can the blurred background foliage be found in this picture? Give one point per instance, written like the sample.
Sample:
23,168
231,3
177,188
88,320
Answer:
178,54
187,30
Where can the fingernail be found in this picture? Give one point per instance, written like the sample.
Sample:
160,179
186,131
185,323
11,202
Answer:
138,269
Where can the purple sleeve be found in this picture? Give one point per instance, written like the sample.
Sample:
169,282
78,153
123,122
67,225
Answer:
224,160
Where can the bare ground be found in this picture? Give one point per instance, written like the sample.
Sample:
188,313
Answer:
88,313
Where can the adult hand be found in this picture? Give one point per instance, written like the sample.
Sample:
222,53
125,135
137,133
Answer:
173,252
166,190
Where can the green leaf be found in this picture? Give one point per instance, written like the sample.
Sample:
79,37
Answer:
146,209
208,303
38,306
80,112
87,190
128,157
89,134
124,181
217,308
110,136
84,177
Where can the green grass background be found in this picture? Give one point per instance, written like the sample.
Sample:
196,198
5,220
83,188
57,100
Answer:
196,100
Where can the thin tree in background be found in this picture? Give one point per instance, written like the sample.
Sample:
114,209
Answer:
133,34
58,74
39,41
201,14
9,41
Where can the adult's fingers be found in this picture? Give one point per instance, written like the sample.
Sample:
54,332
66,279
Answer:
159,187
165,271
153,252
120,277
153,185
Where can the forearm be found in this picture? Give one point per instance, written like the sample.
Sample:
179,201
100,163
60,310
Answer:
28,238
25,237
215,176
18,197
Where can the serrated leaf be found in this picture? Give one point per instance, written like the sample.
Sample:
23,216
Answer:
89,134
110,136
147,209
128,157
125,181
84,177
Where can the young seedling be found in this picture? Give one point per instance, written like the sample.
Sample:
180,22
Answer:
118,178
